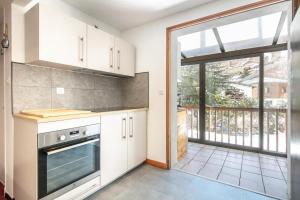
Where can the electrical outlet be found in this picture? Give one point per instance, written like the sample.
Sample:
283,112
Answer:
60,90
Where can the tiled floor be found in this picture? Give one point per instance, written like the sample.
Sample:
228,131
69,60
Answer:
257,172
150,183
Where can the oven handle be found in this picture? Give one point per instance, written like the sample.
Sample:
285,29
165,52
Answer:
71,147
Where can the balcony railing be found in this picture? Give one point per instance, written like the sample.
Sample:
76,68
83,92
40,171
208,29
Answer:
240,126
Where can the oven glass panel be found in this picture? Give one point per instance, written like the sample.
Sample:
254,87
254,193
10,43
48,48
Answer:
66,166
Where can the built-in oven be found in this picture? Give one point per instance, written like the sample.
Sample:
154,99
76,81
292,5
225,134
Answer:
67,159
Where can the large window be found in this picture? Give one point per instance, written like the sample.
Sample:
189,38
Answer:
244,101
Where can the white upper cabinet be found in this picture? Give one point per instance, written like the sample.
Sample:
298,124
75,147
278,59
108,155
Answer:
124,58
100,50
52,37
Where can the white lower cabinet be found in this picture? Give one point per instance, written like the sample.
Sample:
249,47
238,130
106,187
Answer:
123,143
137,139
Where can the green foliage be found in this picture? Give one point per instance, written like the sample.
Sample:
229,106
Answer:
219,90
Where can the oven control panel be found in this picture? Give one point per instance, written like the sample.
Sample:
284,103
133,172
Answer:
52,138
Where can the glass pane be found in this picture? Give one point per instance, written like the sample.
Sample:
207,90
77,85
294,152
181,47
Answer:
200,43
188,97
250,33
68,166
232,101
275,101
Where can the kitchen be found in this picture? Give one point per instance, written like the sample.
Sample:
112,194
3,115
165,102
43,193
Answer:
86,95
88,100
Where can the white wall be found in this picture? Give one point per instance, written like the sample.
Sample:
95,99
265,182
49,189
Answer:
150,42
18,32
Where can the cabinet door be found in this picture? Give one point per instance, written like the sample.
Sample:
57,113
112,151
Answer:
100,46
137,138
124,58
113,147
62,39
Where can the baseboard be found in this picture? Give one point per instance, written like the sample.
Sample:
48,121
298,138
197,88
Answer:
157,164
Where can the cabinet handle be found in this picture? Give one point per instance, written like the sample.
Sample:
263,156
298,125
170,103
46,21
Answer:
119,58
111,54
131,127
81,48
124,128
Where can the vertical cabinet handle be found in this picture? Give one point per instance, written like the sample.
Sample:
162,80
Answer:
81,49
131,127
119,58
124,128
111,56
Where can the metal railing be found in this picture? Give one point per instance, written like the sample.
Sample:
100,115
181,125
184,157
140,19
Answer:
240,126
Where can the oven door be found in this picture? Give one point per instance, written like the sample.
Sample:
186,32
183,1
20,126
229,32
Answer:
66,166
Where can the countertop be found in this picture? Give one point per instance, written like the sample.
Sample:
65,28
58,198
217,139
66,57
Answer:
96,112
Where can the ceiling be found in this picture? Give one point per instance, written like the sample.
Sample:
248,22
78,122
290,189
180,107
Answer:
125,14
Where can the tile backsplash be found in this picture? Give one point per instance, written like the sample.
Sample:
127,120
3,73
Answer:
35,88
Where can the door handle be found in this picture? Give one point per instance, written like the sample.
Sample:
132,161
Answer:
119,58
124,128
111,54
81,49
131,127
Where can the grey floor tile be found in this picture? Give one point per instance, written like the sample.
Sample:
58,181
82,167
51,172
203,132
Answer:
282,163
240,168
275,187
210,147
235,160
272,173
217,156
202,158
284,169
236,151
198,145
252,177
251,158
231,171
232,165
251,163
221,152
228,179
235,155
193,167
206,151
182,162
252,185
251,153
210,171
270,167
268,161
189,155
215,161
267,156
222,149
251,169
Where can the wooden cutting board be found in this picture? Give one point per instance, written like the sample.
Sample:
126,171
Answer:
53,112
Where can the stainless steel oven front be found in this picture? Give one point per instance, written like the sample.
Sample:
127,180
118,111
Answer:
67,159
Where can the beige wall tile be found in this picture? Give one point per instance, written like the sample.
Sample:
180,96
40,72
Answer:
72,80
25,75
31,98
73,98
